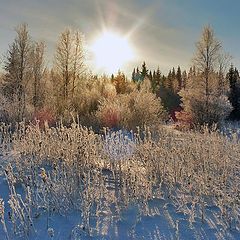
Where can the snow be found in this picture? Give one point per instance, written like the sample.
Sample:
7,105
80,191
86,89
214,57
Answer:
162,222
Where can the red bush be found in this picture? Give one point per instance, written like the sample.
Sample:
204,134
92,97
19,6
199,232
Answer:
44,115
111,118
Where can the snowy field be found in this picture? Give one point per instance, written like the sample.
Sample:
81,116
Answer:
73,184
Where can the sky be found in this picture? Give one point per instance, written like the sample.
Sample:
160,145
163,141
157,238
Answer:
162,32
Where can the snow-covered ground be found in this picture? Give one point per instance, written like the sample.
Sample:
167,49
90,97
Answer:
162,222
158,218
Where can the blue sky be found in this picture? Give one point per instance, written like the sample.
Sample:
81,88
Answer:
163,32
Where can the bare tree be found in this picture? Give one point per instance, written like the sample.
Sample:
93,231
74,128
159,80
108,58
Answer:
38,70
18,70
206,58
202,98
79,67
69,61
63,60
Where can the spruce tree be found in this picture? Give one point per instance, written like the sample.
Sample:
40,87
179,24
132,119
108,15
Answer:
134,75
144,71
112,77
150,76
173,73
234,95
184,79
169,80
18,67
179,79
158,77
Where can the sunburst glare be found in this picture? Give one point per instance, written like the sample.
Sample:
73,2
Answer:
111,51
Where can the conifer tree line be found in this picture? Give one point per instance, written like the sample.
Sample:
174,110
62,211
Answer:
175,80
206,93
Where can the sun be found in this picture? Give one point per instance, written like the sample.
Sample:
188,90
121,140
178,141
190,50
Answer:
111,51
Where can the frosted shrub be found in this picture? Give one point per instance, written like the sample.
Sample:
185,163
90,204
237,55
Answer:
145,109
194,103
128,111
112,112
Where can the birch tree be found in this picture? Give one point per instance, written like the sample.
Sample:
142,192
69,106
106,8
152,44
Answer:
69,62
205,60
202,98
38,71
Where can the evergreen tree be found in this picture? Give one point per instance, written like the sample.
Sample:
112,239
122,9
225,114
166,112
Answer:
179,79
112,77
234,95
150,76
170,98
154,74
158,77
156,80
190,72
137,73
134,75
173,73
144,71
163,81
184,79
169,82
18,67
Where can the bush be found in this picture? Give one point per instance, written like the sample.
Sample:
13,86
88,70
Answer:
145,109
137,108
195,104
44,116
110,113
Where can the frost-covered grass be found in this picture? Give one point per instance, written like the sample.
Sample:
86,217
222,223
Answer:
70,183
